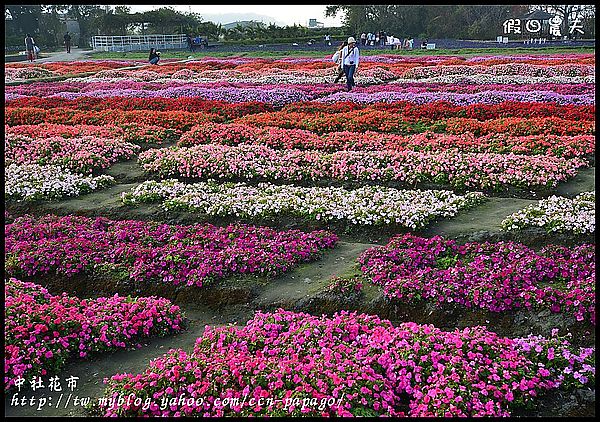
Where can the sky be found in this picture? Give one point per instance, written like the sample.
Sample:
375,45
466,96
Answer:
285,14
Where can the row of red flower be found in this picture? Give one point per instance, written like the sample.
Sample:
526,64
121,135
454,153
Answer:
355,121
433,110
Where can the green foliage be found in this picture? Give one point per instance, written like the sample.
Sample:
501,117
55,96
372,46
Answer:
432,21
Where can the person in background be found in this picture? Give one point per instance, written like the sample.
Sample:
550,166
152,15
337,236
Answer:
67,39
337,58
424,44
154,56
188,40
328,39
363,39
350,58
410,42
29,47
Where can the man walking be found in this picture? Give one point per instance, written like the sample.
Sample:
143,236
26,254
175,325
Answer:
350,56
67,39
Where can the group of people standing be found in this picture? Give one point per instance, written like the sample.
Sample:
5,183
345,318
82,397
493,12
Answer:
381,38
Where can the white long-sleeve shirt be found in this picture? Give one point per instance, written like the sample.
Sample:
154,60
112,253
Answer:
352,57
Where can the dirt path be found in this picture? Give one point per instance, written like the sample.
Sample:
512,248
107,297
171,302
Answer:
91,372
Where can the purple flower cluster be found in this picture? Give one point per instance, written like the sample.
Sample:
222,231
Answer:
149,251
349,364
494,276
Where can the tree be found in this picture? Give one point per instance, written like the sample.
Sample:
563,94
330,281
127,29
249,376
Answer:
26,19
88,17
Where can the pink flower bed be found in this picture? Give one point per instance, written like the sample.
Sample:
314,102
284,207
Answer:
459,170
282,138
149,251
81,153
43,331
498,277
295,364
129,132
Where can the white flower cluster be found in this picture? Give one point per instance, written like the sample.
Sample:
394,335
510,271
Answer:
368,205
557,214
483,78
32,182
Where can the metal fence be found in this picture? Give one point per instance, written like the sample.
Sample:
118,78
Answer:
138,42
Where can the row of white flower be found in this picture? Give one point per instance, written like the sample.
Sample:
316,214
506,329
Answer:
499,79
369,205
32,182
557,214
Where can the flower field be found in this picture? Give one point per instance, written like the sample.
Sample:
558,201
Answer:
439,182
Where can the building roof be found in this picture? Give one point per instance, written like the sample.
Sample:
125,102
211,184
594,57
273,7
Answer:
538,15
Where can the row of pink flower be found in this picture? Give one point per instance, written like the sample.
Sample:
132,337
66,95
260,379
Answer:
149,251
483,97
495,276
421,87
81,153
295,364
43,331
459,170
281,138
132,132
46,89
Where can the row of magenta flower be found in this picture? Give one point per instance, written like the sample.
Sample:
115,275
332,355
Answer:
286,363
497,276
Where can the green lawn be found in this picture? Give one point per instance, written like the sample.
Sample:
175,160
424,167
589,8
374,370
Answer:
178,54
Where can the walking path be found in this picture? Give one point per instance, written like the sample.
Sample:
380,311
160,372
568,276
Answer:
63,56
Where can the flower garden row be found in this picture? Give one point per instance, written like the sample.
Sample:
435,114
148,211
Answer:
30,182
43,331
494,276
153,252
256,63
364,206
557,215
282,96
355,121
480,171
49,89
432,110
497,277
294,364
282,138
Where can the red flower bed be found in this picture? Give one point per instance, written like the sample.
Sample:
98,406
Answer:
393,122
193,105
445,109
181,120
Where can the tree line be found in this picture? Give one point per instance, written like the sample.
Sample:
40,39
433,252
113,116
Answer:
46,24
476,22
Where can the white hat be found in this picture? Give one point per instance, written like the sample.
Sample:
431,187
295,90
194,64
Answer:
351,40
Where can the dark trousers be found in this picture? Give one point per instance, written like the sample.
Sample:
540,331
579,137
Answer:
68,44
349,72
